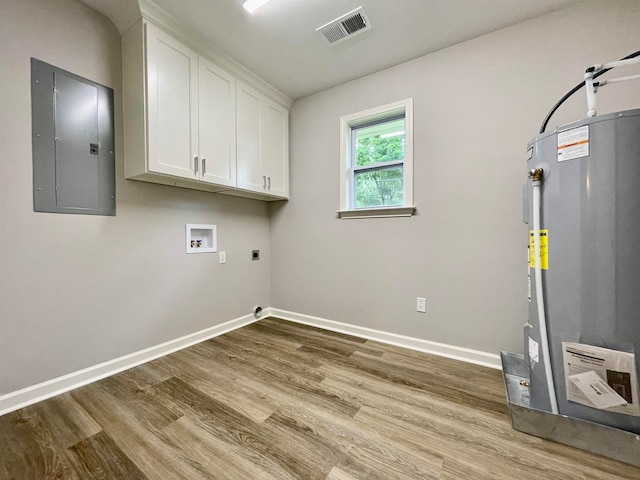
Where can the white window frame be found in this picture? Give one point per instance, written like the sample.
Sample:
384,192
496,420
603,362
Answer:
347,176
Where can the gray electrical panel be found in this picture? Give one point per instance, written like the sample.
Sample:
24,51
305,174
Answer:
73,143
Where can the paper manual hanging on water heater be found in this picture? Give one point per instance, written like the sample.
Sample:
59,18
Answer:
601,378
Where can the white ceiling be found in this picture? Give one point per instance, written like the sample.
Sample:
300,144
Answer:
279,41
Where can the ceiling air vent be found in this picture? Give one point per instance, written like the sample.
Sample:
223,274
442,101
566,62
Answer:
346,26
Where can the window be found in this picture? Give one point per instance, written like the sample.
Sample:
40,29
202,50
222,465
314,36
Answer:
377,162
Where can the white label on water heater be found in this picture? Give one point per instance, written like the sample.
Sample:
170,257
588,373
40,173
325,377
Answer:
587,369
573,143
534,352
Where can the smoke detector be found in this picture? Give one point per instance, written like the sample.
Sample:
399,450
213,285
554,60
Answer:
348,25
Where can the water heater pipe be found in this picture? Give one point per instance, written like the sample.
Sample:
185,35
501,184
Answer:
545,122
536,180
592,87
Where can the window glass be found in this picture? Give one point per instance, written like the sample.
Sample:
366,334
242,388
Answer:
375,146
381,187
381,142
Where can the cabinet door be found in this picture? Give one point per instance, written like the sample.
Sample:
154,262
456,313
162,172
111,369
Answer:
217,124
274,148
172,88
248,140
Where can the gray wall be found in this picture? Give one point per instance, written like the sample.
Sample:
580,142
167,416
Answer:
79,290
476,105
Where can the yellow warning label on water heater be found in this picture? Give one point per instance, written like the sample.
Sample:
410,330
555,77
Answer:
544,249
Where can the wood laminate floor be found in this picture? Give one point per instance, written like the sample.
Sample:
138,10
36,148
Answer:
277,400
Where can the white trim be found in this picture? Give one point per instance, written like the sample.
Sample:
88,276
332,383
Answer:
50,388
372,114
377,212
449,351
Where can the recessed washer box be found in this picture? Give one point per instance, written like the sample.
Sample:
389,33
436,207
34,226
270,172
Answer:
200,238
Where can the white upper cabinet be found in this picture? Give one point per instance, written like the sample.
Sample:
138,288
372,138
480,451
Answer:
274,148
217,124
248,141
172,86
191,123
262,143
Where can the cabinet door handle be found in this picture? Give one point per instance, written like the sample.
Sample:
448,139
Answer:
204,166
264,181
195,164
269,180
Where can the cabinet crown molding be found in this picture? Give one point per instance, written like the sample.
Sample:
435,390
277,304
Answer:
157,15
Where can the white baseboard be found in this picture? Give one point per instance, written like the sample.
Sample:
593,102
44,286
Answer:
41,391
50,388
450,351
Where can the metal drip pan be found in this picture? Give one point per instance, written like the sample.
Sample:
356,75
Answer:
592,437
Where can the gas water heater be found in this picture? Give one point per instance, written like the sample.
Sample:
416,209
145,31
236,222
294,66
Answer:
582,206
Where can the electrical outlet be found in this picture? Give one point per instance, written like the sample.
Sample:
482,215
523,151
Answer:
421,305
222,256
255,254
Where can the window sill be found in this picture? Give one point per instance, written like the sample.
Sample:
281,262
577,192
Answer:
377,212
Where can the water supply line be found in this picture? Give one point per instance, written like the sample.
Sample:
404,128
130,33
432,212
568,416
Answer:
592,87
536,176
602,71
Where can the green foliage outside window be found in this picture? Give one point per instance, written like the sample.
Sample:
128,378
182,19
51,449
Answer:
382,186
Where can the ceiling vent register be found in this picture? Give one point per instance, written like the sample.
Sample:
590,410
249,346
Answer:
347,26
